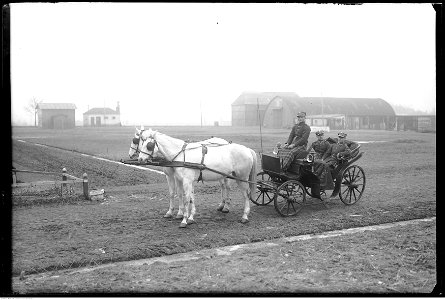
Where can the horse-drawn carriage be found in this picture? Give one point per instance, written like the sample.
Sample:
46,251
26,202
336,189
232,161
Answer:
220,161
288,189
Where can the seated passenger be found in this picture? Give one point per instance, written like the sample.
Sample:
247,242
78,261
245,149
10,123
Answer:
320,146
338,151
352,145
322,149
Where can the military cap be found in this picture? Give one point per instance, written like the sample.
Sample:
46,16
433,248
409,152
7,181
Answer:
301,114
319,133
342,134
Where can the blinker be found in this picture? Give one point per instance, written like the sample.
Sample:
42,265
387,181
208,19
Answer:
150,146
136,141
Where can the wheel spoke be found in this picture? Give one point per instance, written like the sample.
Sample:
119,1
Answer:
356,176
355,196
346,194
259,195
284,204
358,191
349,175
292,203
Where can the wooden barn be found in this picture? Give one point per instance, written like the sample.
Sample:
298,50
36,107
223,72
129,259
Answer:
421,123
249,108
102,116
357,113
56,115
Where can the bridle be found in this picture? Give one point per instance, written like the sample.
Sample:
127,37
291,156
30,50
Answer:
135,142
150,146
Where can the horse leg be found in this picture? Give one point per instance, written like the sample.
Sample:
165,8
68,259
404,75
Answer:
221,205
188,189
190,219
180,195
227,200
245,190
171,191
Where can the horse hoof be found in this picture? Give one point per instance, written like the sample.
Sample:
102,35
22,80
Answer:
168,216
179,217
225,210
190,222
244,221
182,225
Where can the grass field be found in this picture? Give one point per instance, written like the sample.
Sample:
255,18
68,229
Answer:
48,235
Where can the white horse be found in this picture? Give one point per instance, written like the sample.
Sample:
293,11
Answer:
136,144
232,159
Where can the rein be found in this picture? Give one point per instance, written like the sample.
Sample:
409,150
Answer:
200,166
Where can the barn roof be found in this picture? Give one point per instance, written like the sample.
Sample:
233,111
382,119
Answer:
263,98
325,116
346,106
56,106
101,111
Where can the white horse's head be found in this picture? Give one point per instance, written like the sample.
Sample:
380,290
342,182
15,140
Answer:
148,148
136,143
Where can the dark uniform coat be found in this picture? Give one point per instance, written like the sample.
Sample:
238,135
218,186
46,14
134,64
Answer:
299,135
336,149
321,149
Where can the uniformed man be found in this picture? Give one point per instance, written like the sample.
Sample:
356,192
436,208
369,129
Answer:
299,133
296,144
321,146
338,151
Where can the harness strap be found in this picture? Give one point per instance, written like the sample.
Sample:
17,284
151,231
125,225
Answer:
182,150
204,152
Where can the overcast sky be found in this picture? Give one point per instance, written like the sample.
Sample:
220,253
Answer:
167,62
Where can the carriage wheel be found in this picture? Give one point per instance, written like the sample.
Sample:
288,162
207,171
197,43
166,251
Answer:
290,198
352,185
265,193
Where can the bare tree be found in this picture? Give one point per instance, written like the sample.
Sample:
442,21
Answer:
32,106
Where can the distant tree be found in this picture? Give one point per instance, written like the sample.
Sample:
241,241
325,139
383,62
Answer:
32,106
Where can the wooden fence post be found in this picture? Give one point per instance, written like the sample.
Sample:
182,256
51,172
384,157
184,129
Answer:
85,186
63,179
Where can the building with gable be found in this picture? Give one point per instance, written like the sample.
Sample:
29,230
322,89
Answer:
56,115
102,116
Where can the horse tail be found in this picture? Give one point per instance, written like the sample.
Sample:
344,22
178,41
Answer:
252,175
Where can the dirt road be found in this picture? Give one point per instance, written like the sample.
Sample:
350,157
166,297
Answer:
390,258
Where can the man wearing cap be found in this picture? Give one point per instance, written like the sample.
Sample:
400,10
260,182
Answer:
299,133
295,147
320,146
338,151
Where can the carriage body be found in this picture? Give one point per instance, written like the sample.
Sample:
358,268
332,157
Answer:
289,189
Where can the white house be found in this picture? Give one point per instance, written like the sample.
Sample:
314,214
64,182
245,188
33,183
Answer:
102,116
